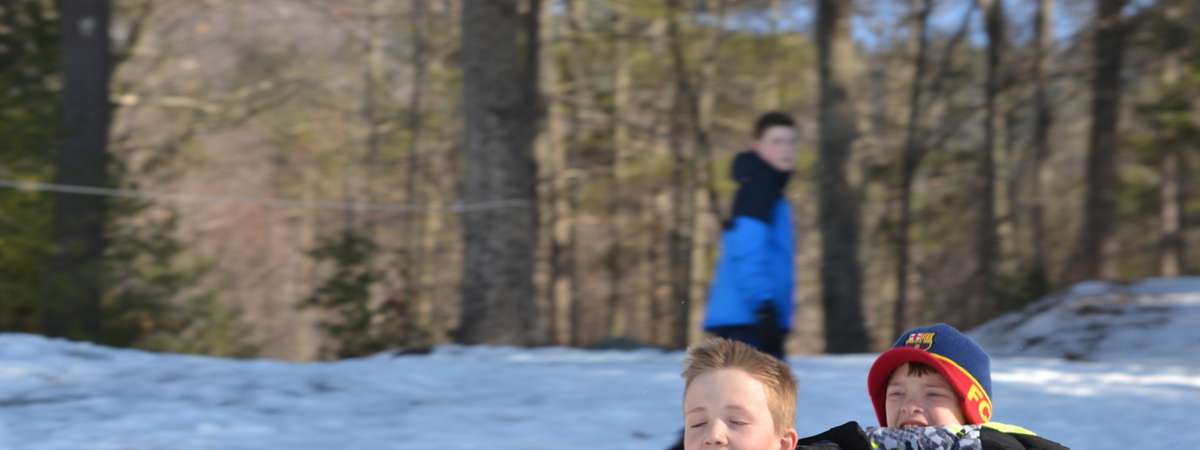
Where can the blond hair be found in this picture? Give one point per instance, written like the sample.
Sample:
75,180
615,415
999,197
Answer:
775,376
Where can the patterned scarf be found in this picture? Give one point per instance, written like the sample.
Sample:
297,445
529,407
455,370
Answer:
925,438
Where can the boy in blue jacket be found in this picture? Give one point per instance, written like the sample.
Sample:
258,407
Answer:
750,299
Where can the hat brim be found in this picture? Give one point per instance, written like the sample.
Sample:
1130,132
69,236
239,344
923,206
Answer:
973,399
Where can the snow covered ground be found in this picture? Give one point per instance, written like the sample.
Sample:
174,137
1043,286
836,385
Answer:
1149,319
71,396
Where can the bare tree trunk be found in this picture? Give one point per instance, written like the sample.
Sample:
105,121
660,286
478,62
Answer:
500,45
1184,172
1172,252
565,126
1099,208
414,232
617,308
910,161
75,286
1041,138
682,182
660,269
435,227
372,76
557,215
986,241
360,176
680,244
1014,176
556,325
657,229
841,273
433,245
569,200
702,104
564,295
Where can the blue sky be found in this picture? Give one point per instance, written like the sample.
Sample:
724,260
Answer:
879,20
1069,16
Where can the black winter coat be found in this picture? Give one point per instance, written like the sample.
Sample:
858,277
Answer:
850,436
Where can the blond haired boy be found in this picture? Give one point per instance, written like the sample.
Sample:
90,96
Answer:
737,398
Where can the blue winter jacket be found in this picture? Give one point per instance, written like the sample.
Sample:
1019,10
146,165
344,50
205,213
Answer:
755,266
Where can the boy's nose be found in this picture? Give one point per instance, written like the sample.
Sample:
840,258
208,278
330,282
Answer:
911,407
716,434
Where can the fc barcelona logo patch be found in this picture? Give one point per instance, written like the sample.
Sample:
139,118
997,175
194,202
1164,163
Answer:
923,341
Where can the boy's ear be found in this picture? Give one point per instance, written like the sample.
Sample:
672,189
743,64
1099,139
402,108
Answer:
789,439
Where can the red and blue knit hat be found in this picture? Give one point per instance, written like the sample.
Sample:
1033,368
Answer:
954,355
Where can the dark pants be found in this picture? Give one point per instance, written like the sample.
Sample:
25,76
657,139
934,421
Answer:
769,343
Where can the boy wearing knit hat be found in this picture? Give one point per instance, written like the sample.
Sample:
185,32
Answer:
932,376
931,390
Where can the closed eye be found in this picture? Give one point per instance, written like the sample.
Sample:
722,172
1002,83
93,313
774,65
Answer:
698,425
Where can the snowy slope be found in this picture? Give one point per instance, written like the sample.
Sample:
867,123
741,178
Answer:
1149,319
1136,385
59,395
